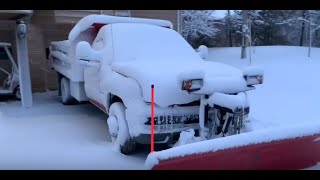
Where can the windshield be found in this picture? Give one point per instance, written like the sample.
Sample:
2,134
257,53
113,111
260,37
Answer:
132,41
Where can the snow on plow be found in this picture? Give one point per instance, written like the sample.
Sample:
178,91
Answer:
295,147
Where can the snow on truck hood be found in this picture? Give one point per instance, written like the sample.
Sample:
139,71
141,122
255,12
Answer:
167,77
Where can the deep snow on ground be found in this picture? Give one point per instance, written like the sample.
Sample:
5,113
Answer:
290,93
53,136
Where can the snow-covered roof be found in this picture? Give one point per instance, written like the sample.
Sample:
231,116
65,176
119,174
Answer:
88,21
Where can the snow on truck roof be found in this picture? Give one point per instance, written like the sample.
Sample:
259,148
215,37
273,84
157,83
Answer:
90,20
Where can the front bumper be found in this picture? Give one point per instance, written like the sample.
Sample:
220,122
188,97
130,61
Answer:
164,138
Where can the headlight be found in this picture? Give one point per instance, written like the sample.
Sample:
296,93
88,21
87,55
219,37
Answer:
254,80
192,85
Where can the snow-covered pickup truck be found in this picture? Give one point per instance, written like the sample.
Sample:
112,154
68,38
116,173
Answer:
113,61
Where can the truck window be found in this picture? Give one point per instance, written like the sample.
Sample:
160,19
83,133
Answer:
98,44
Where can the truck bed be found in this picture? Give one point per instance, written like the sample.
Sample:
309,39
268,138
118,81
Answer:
63,60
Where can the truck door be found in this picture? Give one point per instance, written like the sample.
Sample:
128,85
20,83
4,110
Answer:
93,76
91,84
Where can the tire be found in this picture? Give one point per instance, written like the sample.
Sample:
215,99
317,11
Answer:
118,129
16,93
66,97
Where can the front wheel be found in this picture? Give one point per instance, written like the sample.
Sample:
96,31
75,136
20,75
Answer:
119,130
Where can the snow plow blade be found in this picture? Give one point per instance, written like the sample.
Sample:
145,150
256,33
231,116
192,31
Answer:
281,148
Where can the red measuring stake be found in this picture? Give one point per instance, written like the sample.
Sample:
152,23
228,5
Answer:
152,118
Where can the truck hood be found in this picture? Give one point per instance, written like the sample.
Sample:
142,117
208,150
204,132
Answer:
167,77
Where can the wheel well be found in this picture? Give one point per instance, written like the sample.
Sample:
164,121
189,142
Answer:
59,76
114,99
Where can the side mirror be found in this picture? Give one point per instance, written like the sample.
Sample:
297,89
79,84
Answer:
86,55
203,51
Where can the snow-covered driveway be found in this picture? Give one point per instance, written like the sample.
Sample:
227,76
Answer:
53,136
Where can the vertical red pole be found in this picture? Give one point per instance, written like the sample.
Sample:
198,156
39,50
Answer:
152,118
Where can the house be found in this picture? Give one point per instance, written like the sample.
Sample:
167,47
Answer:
44,26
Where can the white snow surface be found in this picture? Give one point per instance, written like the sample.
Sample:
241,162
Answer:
222,84
167,77
88,21
53,136
315,167
253,70
61,56
283,107
62,46
187,137
289,93
147,42
229,101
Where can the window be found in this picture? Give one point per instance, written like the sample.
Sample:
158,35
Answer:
3,54
123,13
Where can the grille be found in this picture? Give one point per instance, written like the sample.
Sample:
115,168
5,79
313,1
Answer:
174,119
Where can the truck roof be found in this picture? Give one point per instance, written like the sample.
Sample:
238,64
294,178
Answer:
91,20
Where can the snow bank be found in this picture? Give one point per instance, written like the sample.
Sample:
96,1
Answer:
256,137
88,21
